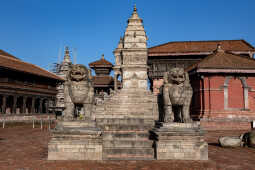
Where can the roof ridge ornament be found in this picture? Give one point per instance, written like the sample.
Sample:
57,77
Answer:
102,56
219,48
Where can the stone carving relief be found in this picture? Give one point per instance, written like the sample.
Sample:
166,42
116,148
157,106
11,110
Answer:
128,75
177,94
137,59
79,93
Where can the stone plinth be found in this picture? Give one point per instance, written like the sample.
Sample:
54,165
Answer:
75,140
183,141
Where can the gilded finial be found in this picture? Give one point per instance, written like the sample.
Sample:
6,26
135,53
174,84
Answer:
102,56
66,50
135,7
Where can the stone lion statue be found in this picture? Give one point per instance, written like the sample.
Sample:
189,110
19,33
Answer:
177,94
79,92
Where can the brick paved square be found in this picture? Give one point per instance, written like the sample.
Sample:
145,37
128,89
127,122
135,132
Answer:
25,148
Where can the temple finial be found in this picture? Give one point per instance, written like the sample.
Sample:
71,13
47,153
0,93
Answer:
135,8
67,55
102,56
66,50
219,48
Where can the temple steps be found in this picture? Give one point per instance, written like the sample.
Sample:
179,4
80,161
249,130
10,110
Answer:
128,154
124,135
127,121
126,127
126,139
128,144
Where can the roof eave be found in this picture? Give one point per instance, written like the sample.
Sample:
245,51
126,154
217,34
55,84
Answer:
222,70
178,54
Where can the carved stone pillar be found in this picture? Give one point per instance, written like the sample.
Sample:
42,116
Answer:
14,106
24,106
4,105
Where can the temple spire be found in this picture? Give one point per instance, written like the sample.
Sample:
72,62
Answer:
135,36
134,14
67,55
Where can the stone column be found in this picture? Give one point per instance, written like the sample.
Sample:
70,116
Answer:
40,106
47,106
14,106
115,82
226,92
33,105
24,106
245,92
4,105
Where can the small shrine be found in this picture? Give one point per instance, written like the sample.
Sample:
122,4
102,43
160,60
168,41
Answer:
102,81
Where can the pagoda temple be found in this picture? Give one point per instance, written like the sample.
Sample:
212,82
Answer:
102,81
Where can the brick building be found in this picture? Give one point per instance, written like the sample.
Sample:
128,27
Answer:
186,53
224,90
223,80
25,88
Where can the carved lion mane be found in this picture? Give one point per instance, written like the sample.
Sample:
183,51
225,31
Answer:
78,72
176,76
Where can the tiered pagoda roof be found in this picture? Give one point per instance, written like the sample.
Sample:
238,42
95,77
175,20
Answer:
103,81
102,69
100,63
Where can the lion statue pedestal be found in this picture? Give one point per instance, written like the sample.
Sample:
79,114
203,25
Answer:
178,137
76,136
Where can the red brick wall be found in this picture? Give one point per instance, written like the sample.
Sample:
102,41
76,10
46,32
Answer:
209,92
208,102
235,94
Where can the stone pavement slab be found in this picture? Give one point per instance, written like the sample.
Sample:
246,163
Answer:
25,148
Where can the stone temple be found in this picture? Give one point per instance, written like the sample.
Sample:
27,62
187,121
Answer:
126,125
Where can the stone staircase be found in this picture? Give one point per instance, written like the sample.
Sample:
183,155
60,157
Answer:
128,104
126,139
125,120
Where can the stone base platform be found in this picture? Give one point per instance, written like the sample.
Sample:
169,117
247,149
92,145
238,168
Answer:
183,141
75,140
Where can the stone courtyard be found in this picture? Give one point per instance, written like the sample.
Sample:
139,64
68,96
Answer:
25,148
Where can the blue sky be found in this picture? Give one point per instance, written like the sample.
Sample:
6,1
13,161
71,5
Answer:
35,30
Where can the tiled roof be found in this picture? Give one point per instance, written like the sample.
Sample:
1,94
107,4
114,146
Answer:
3,53
11,62
103,80
221,59
100,63
201,46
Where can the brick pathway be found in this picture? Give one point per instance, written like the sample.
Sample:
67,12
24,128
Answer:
24,148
